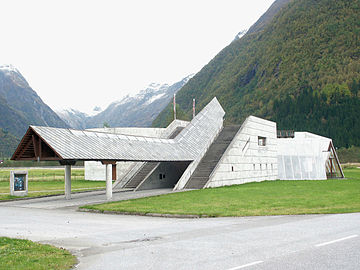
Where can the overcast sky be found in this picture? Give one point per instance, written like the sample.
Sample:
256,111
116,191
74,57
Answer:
83,53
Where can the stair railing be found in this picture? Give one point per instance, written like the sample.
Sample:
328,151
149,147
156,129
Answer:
147,176
130,174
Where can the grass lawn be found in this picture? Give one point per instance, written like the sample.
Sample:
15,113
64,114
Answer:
48,182
45,174
252,199
24,254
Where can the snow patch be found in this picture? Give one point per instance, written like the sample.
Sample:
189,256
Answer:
122,101
9,68
14,74
186,79
240,34
153,98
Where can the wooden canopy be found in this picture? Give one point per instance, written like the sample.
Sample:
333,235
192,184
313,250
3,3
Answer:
33,147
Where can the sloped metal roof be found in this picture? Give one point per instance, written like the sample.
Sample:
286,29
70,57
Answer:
87,145
70,144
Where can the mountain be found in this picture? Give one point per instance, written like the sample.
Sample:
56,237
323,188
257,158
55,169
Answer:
268,16
8,143
20,107
73,118
131,111
297,65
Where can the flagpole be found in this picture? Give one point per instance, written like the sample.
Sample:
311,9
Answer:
174,102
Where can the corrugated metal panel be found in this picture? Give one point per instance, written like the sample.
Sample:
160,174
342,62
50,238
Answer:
92,145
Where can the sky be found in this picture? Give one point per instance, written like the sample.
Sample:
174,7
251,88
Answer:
85,53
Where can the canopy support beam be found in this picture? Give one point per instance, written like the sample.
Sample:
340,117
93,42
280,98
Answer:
68,182
108,183
108,177
68,164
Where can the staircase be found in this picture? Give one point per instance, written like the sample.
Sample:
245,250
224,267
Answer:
175,132
143,172
202,173
148,167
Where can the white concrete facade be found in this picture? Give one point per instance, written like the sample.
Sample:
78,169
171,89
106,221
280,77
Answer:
95,170
255,154
247,159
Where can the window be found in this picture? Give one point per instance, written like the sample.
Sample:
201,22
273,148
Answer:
232,168
160,176
261,141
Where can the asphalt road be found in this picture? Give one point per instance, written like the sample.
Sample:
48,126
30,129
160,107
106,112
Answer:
136,242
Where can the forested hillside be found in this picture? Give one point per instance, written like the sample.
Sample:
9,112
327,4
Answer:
8,143
302,69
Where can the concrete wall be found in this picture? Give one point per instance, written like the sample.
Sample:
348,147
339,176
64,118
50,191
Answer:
172,172
134,131
95,170
144,131
245,160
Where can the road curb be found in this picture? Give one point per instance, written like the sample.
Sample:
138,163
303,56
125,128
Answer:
142,214
46,196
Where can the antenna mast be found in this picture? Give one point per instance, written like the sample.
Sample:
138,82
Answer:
174,106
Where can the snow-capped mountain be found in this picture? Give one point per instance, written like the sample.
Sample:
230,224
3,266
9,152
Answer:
20,106
73,118
13,73
137,110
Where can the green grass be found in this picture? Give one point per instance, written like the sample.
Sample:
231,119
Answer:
252,199
44,174
48,182
23,254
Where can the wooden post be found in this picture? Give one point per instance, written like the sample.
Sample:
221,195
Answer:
331,167
114,171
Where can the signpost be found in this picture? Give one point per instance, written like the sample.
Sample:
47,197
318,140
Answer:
18,183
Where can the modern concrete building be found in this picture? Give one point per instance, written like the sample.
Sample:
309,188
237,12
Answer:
306,156
198,154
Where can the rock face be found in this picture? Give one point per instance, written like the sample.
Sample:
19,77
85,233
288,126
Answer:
20,107
131,111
